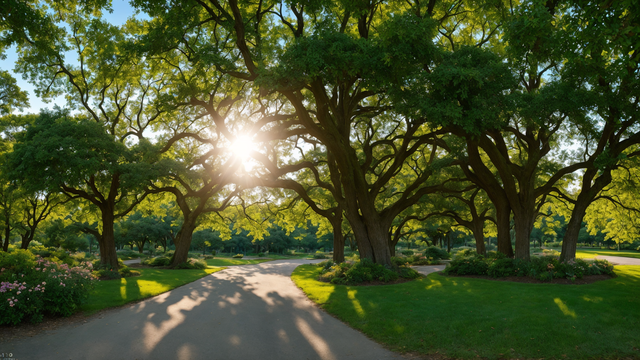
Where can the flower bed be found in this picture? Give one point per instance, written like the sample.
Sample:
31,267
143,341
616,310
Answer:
31,287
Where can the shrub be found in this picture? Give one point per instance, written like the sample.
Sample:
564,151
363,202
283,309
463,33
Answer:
474,265
501,268
400,261
436,253
192,264
238,256
261,254
319,256
361,272
408,273
46,287
407,252
207,257
466,253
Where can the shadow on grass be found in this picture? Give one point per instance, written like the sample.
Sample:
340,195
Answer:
475,317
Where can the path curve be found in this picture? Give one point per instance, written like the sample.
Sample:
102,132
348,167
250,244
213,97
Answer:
243,312
619,260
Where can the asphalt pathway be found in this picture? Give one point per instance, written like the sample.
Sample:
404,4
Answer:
619,260
243,312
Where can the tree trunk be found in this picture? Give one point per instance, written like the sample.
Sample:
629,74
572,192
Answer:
183,241
338,241
108,255
361,237
503,220
7,234
478,235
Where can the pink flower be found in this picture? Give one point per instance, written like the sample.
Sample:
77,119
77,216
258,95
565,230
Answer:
18,293
37,269
44,283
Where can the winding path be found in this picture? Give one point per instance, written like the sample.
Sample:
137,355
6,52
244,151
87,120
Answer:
243,312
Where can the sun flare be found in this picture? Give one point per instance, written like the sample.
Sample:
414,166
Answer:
242,147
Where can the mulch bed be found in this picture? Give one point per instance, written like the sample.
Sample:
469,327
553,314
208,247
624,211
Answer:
588,279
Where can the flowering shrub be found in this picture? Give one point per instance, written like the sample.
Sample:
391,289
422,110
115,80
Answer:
31,287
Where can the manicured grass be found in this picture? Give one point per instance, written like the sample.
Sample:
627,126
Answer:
151,282
465,318
231,262
591,253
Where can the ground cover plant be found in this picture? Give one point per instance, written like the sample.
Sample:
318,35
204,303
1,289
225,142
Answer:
151,282
31,287
466,318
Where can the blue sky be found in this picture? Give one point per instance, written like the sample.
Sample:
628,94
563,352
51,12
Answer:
121,12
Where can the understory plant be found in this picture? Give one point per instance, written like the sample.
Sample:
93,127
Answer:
362,272
543,268
31,287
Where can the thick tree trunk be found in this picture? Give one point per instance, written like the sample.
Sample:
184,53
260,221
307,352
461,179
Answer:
7,235
108,255
503,220
589,190
183,241
338,241
478,235
361,237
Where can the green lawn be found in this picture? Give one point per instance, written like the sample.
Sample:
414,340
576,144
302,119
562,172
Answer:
230,262
151,282
591,253
466,318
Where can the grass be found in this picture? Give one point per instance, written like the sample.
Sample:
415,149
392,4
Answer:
591,253
232,262
151,282
466,318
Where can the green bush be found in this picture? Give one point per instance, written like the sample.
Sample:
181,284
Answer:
436,253
501,268
31,287
408,273
261,254
362,272
400,261
474,265
319,256
238,256
407,252
192,264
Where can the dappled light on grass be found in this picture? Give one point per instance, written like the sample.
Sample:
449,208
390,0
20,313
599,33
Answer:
470,318
356,304
151,282
563,307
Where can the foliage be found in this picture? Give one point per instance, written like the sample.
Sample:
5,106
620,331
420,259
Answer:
362,272
192,264
436,253
31,287
542,268
238,256
407,252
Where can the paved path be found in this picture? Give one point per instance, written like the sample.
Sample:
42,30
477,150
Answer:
244,312
619,260
132,261
428,269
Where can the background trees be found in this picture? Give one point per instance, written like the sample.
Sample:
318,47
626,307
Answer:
386,119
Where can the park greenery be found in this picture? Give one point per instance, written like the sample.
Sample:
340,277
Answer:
481,318
333,128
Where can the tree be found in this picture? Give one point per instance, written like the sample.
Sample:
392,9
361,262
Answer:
82,161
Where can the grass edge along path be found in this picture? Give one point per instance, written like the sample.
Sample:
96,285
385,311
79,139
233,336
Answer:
151,282
466,318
